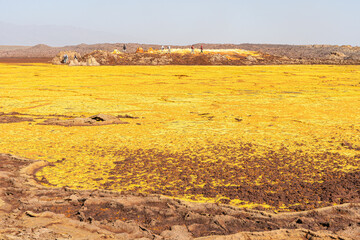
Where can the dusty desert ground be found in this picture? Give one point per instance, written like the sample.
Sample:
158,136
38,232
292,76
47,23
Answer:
180,151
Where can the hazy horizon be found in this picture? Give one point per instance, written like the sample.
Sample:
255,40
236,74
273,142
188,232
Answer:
61,23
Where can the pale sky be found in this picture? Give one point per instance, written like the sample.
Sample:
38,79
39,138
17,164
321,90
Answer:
65,22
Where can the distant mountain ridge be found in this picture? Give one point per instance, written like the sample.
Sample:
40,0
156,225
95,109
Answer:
13,34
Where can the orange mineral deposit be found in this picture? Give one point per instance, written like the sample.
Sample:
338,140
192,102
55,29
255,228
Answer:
139,50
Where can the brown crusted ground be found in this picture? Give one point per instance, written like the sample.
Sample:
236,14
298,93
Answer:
187,59
25,60
96,120
13,119
328,186
31,211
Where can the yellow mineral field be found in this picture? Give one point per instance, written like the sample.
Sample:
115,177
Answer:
265,136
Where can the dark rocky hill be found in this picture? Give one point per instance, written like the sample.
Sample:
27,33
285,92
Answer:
290,54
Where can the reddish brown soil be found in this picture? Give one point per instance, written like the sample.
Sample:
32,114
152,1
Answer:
328,187
30,211
13,119
25,60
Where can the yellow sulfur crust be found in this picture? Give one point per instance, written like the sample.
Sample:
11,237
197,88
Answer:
197,126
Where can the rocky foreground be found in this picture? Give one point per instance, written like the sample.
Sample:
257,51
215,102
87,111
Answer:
31,211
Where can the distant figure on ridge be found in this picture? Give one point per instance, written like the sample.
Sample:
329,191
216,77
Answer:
192,49
65,58
162,48
124,48
169,48
202,49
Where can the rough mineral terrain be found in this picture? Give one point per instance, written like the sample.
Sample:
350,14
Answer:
31,211
272,54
